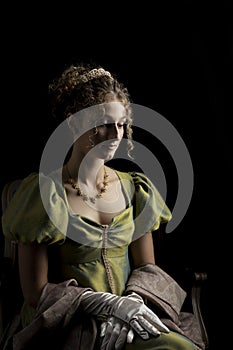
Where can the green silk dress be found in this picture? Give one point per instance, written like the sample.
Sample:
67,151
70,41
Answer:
95,255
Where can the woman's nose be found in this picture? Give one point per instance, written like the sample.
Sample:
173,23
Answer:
113,131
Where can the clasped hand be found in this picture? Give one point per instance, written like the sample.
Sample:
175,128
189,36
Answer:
115,334
130,314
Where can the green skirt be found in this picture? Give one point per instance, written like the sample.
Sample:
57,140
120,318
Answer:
170,341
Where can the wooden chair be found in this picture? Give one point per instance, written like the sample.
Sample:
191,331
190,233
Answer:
10,291
9,277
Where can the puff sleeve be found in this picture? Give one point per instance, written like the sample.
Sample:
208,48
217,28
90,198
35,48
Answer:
26,219
150,209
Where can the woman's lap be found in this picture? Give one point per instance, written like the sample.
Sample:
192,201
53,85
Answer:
170,341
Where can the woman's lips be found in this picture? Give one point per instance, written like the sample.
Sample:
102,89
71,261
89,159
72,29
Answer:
110,146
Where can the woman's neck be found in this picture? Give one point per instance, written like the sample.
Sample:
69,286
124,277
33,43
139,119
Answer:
85,171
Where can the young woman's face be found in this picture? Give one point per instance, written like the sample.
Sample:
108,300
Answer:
103,140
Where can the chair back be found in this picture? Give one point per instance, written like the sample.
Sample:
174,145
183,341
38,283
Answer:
7,193
10,292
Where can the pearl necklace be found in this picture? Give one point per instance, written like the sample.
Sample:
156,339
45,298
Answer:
84,196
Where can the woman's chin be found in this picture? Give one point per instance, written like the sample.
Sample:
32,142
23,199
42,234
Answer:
109,155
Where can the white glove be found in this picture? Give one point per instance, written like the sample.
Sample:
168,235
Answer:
115,334
130,309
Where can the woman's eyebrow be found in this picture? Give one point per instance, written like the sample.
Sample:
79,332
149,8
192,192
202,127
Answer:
110,117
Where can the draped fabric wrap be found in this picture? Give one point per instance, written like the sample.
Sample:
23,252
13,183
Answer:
155,285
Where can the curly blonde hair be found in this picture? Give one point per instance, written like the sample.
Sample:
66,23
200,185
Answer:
70,93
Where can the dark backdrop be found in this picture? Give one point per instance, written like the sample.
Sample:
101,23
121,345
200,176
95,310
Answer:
175,59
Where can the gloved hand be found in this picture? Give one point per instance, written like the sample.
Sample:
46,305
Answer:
130,309
115,334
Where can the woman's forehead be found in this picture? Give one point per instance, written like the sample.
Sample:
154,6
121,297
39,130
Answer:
114,110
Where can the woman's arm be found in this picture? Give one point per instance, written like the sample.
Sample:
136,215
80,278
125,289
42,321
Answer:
33,271
142,250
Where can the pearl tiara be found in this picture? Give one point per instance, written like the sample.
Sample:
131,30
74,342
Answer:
94,73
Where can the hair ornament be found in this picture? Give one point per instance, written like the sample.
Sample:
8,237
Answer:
94,73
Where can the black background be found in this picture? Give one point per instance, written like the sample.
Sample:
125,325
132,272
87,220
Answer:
174,57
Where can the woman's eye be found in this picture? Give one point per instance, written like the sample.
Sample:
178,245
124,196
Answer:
109,124
104,123
120,125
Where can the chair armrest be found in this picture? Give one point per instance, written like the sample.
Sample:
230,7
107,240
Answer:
199,278
193,283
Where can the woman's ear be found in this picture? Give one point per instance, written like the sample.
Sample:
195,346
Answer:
80,122
71,120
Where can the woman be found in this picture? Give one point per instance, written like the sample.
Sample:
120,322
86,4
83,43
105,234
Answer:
84,233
